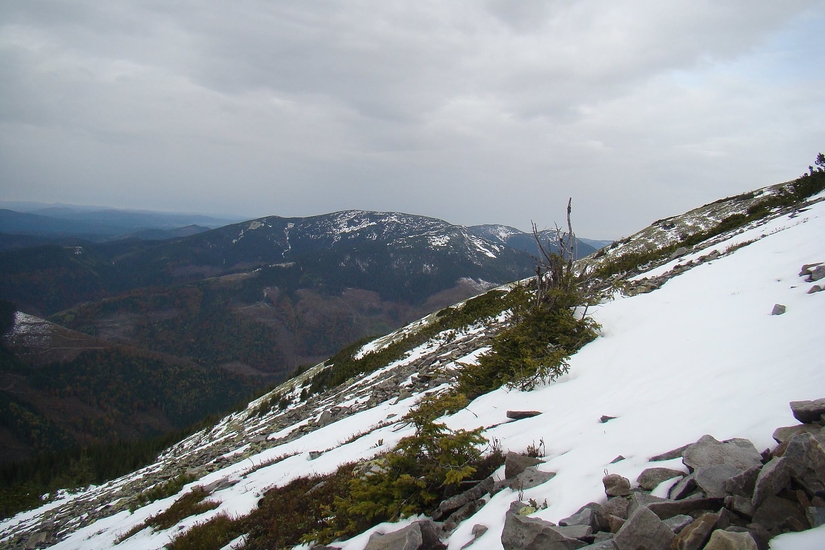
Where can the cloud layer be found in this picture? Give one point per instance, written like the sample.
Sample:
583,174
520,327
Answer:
475,112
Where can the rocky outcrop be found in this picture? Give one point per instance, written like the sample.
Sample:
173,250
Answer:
421,535
734,497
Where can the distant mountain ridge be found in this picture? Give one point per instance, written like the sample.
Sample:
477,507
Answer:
526,242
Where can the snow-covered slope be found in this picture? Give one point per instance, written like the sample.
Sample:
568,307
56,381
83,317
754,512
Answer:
702,354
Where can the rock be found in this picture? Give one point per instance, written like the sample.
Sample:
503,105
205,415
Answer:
786,433
695,535
778,309
580,532
805,270
817,273
679,252
477,531
708,452
808,412
643,529
454,503
587,515
525,533
615,523
744,483
641,499
420,535
670,508
773,477
531,477
514,464
652,477
462,514
728,540
814,289
777,514
604,418
677,523
739,504
711,479
615,507
616,485
670,455
683,487
602,545
519,415
805,459
325,418
618,459
815,515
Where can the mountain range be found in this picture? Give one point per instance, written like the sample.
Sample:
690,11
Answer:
244,304
692,341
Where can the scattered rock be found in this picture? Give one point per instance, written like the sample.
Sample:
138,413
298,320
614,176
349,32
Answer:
711,479
778,309
515,463
670,455
683,487
739,504
618,459
526,533
477,531
805,459
695,535
808,412
616,485
786,433
670,508
817,273
778,514
604,418
744,483
806,269
519,415
773,477
814,289
420,535
728,540
586,515
677,523
709,452
454,503
652,477
643,529
531,477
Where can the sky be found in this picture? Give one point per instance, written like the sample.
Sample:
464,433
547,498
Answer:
471,111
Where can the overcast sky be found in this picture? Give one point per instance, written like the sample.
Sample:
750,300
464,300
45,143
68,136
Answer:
472,111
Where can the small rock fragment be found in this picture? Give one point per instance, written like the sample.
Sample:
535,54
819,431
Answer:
519,415
778,309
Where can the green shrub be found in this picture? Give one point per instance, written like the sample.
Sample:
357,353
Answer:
535,348
411,479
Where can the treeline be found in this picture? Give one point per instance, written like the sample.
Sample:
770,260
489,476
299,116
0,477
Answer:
121,383
22,484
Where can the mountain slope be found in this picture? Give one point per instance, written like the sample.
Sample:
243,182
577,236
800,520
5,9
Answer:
698,352
526,242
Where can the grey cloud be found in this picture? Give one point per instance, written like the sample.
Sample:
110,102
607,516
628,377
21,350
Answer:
474,112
